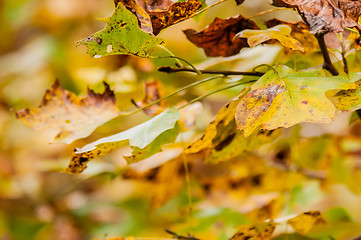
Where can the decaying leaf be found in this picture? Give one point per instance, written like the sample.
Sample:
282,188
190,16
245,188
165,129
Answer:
121,35
178,12
74,116
279,32
262,231
153,91
283,98
300,31
325,16
348,100
145,139
304,222
222,141
218,38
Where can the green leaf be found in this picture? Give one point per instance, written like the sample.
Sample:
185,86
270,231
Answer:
121,35
279,32
145,140
283,98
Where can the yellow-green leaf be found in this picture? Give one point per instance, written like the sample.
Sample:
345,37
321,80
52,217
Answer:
145,139
283,98
304,222
121,35
75,117
279,32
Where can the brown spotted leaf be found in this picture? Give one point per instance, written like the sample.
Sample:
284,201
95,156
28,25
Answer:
74,116
304,222
218,38
178,12
348,100
325,16
299,31
283,98
262,231
279,32
145,139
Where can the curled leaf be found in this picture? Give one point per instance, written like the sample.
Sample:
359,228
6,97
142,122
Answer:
76,117
218,38
145,139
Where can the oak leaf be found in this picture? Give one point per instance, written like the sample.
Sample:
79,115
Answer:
76,117
279,32
121,35
325,16
283,98
304,222
218,38
145,139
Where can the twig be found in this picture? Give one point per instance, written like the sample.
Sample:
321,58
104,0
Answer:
181,237
327,64
206,8
225,73
267,11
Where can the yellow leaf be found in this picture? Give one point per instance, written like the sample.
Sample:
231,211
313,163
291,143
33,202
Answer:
279,32
74,116
262,231
304,222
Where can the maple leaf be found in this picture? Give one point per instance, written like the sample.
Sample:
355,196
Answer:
299,31
76,117
218,38
261,231
121,35
283,98
279,32
325,16
304,222
145,139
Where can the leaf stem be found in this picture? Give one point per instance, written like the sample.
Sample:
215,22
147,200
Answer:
168,69
327,64
213,92
267,11
188,63
172,94
206,8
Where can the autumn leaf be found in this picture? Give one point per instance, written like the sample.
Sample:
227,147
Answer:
299,31
74,116
218,38
222,141
120,36
177,12
279,32
348,100
145,139
304,222
325,16
283,98
262,231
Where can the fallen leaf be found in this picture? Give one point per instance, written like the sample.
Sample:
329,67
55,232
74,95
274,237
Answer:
218,38
325,16
304,222
145,139
299,31
283,98
177,12
262,231
121,35
76,117
279,32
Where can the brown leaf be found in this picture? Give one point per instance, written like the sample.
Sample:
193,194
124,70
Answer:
75,117
176,13
325,16
300,31
153,91
218,38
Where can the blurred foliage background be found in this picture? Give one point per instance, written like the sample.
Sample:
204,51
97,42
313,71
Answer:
311,167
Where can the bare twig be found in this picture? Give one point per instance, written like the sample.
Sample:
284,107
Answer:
225,73
181,237
327,64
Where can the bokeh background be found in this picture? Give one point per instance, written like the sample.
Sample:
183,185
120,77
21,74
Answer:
312,167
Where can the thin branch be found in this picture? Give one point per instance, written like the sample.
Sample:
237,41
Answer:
327,64
178,236
225,73
267,11
206,8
